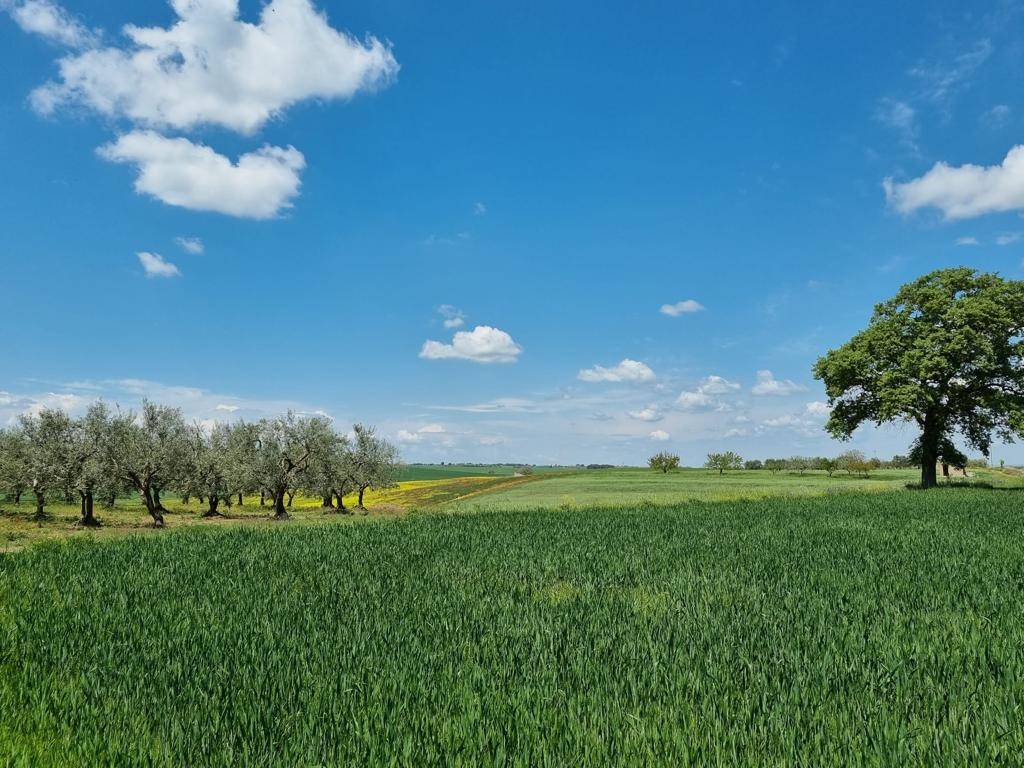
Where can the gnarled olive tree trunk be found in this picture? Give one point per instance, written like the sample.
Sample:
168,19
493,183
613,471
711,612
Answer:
88,519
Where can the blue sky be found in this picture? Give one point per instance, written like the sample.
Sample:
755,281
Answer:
551,174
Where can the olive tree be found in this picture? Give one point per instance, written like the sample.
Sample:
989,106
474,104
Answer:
209,472
945,354
47,439
13,463
89,472
149,451
331,471
375,462
281,453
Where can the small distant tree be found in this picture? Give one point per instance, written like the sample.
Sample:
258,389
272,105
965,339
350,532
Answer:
851,461
524,470
774,465
723,461
799,463
829,466
663,462
753,464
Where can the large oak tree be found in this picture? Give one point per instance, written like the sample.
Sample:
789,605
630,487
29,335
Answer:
945,354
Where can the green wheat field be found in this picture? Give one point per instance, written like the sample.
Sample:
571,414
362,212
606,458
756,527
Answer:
854,628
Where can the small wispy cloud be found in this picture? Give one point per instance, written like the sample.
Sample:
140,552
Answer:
901,117
940,82
479,209
685,307
49,20
155,265
191,245
453,316
1009,238
967,241
997,116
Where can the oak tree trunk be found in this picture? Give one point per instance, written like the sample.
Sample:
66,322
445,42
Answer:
929,456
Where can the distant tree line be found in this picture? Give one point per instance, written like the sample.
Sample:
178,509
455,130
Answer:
108,454
850,462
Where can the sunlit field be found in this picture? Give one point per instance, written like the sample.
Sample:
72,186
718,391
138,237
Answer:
445,471
17,527
889,626
614,487
503,490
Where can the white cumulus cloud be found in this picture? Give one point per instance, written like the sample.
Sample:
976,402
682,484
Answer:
627,370
483,344
212,68
965,191
660,435
768,385
717,385
694,401
818,408
687,306
706,394
176,171
156,265
650,413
